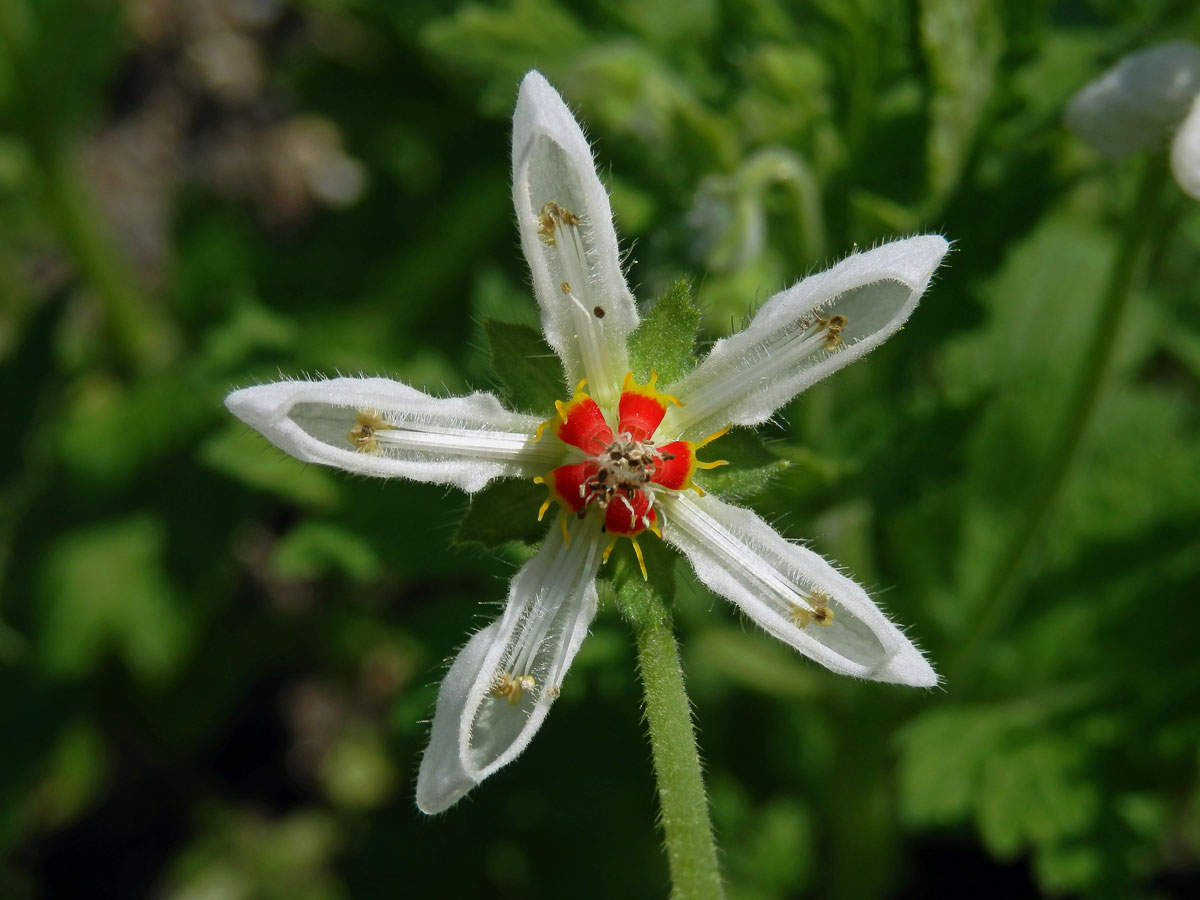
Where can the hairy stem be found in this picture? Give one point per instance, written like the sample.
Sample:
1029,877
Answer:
687,829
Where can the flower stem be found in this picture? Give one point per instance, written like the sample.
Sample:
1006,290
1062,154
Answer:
691,848
1001,589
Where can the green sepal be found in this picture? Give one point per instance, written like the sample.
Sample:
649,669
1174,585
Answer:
752,465
504,511
644,602
665,338
528,372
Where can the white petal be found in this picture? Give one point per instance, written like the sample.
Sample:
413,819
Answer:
551,603
1134,104
774,582
1185,152
749,375
587,309
462,441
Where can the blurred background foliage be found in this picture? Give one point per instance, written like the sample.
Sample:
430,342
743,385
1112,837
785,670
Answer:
216,664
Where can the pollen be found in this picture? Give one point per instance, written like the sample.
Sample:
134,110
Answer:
362,435
816,612
551,216
512,687
834,327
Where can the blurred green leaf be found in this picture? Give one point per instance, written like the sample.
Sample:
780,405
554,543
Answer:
962,41
241,454
105,590
313,549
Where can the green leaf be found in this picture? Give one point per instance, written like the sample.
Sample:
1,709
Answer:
665,338
313,549
506,510
245,456
751,465
105,589
528,371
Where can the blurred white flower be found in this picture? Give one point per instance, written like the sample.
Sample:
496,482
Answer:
1139,102
618,457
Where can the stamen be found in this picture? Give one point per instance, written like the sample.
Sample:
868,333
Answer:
818,612
551,216
366,423
512,687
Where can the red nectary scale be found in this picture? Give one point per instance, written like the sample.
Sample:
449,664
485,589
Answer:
622,472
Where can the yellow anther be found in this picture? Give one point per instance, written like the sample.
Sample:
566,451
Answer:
565,287
799,615
512,687
362,434
818,611
551,216
833,332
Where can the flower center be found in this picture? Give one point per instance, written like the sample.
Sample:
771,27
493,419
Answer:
622,473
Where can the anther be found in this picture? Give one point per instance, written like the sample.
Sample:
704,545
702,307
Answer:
598,311
512,687
565,287
362,434
551,216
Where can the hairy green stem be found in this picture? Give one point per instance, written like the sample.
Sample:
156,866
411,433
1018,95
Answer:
691,850
1001,589
687,829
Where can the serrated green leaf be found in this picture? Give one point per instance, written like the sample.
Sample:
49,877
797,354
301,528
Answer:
528,371
666,336
504,511
1038,794
751,465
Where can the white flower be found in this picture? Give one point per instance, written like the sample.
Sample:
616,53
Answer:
1137,103
618,457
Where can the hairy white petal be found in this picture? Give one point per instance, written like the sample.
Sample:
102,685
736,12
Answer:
462,441
587,309
551,603
1133,105
1185,152
774,582
749,375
